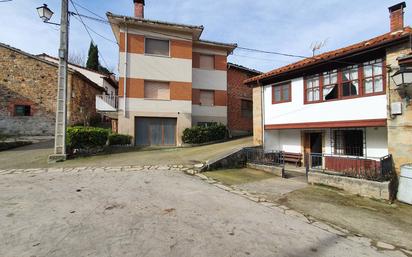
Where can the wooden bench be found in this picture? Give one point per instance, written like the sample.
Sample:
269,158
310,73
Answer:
293,157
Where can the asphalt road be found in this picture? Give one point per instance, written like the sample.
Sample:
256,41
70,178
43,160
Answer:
96,212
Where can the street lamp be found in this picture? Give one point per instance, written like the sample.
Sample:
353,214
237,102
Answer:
61,105
403,77
44,12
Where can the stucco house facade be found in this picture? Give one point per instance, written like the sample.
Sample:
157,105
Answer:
170,78
338,103
28,87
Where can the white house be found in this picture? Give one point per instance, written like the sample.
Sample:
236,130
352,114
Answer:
335,104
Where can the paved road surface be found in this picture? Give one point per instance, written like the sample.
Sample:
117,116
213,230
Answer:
98,212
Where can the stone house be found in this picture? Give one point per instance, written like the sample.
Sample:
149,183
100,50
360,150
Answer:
336,108
239,100
28,94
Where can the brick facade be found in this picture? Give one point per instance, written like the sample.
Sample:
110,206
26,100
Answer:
27,80
237,91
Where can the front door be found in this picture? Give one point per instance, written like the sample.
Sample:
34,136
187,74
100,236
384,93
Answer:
313,148
155,131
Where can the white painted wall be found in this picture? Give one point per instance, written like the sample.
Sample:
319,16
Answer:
209,79
96,77
210,111
148,105
283,140
362,108
156,68
290,141
376,142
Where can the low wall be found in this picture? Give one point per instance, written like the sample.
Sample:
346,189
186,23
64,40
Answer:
271,169
234,159
367,188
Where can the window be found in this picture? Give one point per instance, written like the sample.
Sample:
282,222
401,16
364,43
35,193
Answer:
281,93
156,90
312,89
246,108
350,82
207,62
22,110
348,142
207,97
157,47
373,76
330,85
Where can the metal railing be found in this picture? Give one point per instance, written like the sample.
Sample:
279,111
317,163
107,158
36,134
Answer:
262,157
111,100
376,169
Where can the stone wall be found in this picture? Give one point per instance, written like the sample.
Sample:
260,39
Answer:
26,80
257,116
372,189
399,126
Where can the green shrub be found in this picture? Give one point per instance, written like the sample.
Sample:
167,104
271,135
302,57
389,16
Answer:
86,137
203,134
119,139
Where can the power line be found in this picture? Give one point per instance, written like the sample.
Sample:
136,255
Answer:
100,35
240,47
84,8
88,32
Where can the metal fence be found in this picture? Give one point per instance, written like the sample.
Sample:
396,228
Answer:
376,169
262,157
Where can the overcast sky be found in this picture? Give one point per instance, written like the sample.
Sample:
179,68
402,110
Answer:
288,26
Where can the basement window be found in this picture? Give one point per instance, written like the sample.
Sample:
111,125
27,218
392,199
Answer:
22,110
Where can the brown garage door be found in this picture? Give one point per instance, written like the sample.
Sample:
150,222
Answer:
155,131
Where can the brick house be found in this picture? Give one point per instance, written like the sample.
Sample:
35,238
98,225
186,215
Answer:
239,100
170,78
336,108
28,94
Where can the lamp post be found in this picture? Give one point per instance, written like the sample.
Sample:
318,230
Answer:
61,113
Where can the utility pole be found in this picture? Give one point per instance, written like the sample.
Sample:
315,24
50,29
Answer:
61,104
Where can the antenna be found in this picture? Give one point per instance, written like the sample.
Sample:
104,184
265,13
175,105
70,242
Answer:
317,45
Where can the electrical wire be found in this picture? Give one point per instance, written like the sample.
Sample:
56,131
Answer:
87,30
102,20
100,35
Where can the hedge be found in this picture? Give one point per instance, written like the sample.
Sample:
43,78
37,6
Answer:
119,139
86,137
202,134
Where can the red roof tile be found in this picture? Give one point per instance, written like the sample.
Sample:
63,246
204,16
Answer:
382,39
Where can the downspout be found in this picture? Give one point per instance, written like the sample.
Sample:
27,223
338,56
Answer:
125,71
262,96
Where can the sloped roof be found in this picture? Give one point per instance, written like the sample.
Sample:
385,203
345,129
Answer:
50,63
335,54
243,68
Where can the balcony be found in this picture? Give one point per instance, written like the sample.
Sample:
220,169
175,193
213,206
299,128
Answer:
107,105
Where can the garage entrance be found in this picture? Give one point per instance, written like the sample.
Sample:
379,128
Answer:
155,131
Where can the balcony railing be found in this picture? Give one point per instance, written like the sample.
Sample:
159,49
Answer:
377,169
262,157
112,101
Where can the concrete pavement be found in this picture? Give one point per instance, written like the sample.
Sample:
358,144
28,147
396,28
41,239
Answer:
140,212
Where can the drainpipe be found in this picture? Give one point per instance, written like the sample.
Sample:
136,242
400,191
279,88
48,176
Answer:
125,70
263,112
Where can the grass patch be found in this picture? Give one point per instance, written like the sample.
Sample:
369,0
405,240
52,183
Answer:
238,176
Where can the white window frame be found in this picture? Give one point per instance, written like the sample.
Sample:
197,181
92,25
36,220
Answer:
157,55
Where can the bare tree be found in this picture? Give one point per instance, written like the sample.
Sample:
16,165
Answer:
78,58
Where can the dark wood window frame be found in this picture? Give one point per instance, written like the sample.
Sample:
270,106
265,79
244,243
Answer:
306,88
340,82
287,85
27,110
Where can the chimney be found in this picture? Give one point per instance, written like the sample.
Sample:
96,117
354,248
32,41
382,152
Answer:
139,8
396,16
